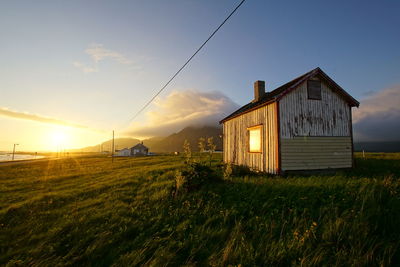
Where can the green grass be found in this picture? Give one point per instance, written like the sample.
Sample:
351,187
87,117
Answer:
87,211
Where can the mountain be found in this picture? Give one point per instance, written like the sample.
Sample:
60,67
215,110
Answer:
171,143
174,142
119,143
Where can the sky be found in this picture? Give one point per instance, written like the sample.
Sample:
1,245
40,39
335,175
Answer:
72,71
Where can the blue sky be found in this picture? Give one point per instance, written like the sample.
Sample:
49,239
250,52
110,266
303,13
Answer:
44,52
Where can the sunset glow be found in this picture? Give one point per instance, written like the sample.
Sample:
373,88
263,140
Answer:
67,138
60,138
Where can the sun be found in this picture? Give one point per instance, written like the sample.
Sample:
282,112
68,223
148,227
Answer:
59,137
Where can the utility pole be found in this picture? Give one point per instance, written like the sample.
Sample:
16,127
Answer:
112,151
14,151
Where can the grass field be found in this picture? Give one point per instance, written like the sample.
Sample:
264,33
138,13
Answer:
87,211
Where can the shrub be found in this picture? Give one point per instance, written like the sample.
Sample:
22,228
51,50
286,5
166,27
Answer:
241,170
192,177
228,171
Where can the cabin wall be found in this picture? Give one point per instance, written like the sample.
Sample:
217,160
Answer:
315,134
312,153
235,140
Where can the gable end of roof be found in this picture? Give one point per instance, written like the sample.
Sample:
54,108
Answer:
283,90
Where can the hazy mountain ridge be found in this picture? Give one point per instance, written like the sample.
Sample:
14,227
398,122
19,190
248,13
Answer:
171,143
174,142
119,143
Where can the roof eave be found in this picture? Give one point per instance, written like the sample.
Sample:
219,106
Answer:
247,111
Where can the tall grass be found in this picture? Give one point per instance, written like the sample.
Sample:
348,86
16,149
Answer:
87,211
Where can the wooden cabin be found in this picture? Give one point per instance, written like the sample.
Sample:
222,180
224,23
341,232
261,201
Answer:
304,124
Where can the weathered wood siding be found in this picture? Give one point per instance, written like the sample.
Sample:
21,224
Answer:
300,116
315,134
307,153
236,145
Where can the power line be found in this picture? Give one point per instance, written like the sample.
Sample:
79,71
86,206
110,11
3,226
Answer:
184,65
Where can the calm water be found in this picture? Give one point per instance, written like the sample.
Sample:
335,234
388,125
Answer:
7,157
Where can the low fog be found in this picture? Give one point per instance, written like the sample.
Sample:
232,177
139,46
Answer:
378,118
184,108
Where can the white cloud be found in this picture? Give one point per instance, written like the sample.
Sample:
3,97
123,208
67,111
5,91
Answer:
85,68
5,112
98,53
184,108
378,118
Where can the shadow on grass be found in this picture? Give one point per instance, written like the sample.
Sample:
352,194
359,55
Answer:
374,168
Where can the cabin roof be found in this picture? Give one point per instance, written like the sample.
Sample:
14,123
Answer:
139,146
278,93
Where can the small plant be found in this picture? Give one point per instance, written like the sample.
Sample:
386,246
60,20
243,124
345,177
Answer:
180,181
202,146
391,185
307,234
211,147
228,171
187,151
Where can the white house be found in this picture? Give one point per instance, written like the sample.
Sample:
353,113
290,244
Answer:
137,150
126,152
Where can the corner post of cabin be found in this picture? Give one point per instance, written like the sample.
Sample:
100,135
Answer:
351,136
223,143
278,139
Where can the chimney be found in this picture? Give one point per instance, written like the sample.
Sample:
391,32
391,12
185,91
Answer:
259,90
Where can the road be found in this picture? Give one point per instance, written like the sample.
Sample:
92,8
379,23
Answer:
15,162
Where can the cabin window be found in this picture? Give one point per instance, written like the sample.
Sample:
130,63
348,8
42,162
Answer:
314,89
255,140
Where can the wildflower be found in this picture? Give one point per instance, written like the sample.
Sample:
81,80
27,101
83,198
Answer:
296,234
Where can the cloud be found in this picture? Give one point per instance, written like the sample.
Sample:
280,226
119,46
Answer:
5,112
378,118
85,68
184,108
98,53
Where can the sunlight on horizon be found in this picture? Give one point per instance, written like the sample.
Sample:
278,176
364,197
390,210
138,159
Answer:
48,137
60,138
66,138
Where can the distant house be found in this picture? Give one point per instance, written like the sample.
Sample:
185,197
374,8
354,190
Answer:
304,124
126,152
139,150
